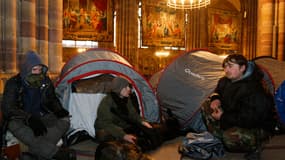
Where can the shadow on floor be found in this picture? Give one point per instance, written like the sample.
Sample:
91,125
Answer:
274,150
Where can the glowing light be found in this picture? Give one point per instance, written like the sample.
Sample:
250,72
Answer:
162,54
79,50
188,4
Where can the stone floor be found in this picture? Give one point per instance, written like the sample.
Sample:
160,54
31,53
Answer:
274,150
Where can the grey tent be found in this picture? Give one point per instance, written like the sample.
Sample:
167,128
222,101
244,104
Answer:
274,67
185,83
153,80
84,80
275,77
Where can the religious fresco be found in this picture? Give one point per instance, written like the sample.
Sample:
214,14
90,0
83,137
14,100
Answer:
224,29
88,20
161,25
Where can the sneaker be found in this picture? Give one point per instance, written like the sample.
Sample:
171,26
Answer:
65,154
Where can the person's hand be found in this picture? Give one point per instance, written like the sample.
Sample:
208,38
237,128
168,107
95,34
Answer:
61,113
130,138
217,113
37,126
146,124
215,104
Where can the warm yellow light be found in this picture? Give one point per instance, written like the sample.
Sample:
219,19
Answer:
79,50
188,4
162,54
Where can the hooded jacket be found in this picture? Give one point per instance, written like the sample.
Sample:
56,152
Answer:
245,102
14,102
31,59
115,113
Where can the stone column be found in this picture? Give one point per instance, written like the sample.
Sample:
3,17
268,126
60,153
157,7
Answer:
42,29
281,30
192,28
55,35
2,62
265,28
203,29
127,30
187,29
27,19
8,36
196,29
249,41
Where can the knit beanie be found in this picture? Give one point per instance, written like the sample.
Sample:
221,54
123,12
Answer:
118,83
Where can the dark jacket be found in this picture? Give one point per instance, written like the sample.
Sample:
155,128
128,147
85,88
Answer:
114,118
16,99
12,104
245,102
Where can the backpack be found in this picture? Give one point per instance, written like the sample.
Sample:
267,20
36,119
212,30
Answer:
279,99
202,146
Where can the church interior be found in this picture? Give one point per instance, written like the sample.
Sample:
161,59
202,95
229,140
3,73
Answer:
148,34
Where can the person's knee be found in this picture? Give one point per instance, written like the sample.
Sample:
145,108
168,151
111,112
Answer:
64,124
239,140
103,136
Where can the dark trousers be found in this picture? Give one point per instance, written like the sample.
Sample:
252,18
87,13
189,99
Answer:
147,138
42,146
235,139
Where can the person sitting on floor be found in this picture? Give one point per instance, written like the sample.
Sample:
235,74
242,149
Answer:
34,114
241,111
117,119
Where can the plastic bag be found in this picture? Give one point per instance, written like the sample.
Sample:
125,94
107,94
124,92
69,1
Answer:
201,146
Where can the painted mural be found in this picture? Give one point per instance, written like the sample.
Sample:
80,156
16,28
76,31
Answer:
88,20
224,29
161,25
